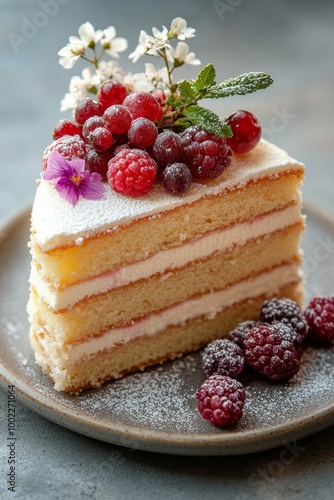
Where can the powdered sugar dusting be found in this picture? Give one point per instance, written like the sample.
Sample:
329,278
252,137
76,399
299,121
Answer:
88,218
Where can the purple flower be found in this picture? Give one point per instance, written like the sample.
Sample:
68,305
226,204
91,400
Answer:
72,180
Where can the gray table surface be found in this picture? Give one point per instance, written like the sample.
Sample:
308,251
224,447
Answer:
293,41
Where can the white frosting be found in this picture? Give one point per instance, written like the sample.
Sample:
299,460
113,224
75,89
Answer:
166,260
57,223
206,305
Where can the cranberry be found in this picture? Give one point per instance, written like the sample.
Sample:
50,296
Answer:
65,127
246,130
111,93
143,104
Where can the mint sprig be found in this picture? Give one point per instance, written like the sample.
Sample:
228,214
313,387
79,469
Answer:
187,93
241,85
207,120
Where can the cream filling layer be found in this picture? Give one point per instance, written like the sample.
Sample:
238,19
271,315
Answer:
166,260
208,305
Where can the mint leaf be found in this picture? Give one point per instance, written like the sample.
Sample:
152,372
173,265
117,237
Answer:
186,91
243,84
207,120
205,78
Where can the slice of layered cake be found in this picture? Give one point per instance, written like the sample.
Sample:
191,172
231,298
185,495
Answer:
185,241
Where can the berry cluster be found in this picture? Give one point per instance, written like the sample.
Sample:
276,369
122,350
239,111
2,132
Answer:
131,123
166,122
272,346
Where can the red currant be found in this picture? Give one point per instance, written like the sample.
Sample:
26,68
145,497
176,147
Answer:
167,148
90,125
86,109
117,119
176,178
142,133
65,127
111,92
97,162
246,130
101,139
143,104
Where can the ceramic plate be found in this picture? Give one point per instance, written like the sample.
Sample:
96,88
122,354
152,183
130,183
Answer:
156,410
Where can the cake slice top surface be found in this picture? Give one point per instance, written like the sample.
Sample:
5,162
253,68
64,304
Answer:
57,223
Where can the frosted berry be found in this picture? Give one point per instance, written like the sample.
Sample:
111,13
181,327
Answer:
320,318
142,133
110,93
239,333
167,148
270,350
97,162
117,119
71,147
206,155
86,109
143,104
90,125
176,178
286,311
101,139
221,400
246,130
132,172
65,127
223,357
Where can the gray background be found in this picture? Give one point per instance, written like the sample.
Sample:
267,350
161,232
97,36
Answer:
294,42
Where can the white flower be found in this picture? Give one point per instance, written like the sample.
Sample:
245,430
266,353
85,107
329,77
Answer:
181,55
158,77
68,102
112,44
150,44
137,82
79,88
179,29
159,41
108,69
87,35
77,46
141,48
69,55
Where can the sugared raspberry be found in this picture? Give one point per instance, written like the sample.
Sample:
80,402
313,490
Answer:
132,172
270,350
239,333
223,357
221,400
206,155
320,318
286,311
71,147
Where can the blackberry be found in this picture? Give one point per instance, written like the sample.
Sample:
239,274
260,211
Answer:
320,318
221,400
239,333
205,154
223,357
285,311
270,350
